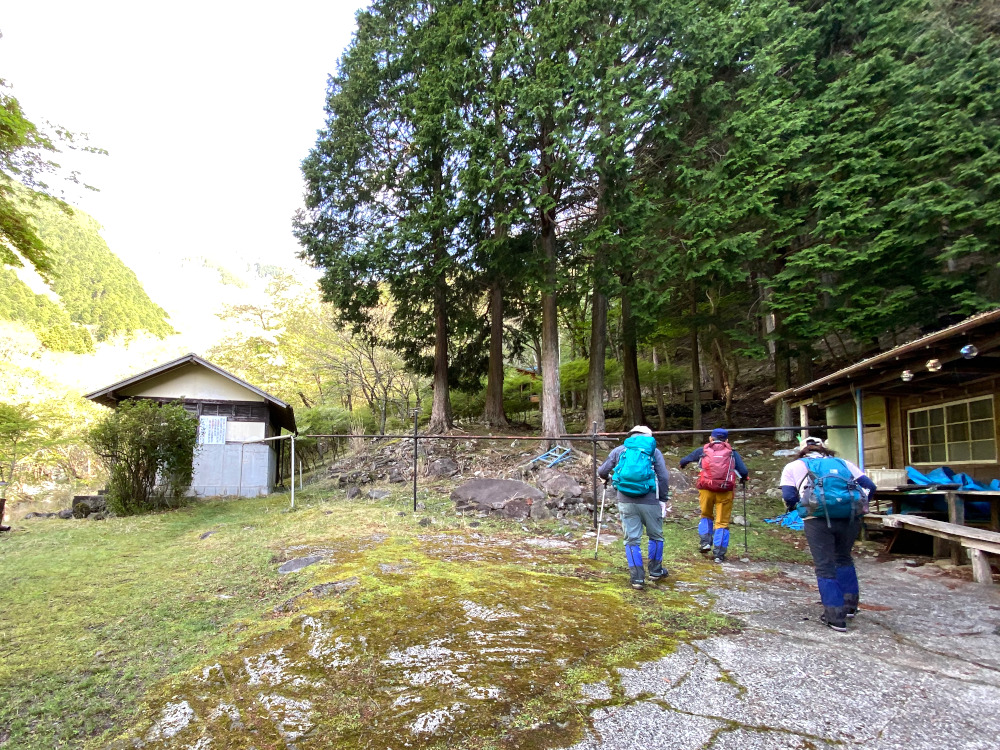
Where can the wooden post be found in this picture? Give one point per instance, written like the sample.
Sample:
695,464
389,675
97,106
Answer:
956,515
994,514
804,420
981,572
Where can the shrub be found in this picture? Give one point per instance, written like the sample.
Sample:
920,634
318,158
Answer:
148,449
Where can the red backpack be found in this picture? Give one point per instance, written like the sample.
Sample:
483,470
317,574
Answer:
718,472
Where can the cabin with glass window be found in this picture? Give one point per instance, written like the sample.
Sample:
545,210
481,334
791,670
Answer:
928,403
237,452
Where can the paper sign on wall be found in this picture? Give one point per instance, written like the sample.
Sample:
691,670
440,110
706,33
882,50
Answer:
212,431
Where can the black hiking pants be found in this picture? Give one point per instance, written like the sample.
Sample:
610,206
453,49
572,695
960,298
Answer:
831,546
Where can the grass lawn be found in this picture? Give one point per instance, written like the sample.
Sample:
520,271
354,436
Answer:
108,627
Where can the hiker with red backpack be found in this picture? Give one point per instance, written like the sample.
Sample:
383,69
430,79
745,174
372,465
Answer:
639,475
831,494
720,468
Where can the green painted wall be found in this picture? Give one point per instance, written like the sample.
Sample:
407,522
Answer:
844,442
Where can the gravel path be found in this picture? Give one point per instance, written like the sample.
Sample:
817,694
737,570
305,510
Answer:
920,670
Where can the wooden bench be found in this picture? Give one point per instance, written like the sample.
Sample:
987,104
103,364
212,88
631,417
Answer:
979,542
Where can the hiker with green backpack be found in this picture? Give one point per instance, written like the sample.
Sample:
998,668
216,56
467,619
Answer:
639,475
831,494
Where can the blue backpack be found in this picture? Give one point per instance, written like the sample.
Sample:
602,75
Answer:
834,493
634,475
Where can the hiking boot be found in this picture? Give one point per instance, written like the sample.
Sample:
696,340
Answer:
834,618
720,555
705,547
850,606
637,577
656,575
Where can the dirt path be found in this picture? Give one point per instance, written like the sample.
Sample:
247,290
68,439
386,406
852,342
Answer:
920,670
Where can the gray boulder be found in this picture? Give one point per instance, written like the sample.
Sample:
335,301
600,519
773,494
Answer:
378,494
442,467
353,492
557,484
681,481
85,505
502,497
65,513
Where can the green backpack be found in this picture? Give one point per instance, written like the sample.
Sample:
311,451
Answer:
634,475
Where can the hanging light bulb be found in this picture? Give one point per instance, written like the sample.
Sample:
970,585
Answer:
934,365
969,351
907,376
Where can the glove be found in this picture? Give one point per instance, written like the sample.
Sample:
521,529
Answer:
743,481
791,505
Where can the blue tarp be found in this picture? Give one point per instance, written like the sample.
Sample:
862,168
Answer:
945,475
790,520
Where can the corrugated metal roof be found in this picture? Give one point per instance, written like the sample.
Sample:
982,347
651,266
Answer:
970,323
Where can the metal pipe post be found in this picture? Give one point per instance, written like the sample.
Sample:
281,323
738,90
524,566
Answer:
416,417
859,401
593,461
292,472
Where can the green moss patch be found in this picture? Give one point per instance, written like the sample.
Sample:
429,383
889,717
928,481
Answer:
440,640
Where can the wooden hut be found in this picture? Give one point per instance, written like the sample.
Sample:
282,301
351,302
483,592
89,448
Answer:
927,403
233,418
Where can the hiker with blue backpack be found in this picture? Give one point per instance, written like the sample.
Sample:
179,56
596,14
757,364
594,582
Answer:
720,467
639,475
831,494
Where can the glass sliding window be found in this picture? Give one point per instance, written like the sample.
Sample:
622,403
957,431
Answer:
958,432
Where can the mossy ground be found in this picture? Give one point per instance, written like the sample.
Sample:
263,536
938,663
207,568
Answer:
461,633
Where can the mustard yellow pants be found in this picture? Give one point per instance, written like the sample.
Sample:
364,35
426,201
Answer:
717,507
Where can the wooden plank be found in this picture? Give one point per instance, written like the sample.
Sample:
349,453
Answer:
981,572
973,544
953,530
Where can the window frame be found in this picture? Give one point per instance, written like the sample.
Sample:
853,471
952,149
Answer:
945,425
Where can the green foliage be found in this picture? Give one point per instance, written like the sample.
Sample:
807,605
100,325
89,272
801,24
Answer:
94,286
48,320
149,451
573,374
24,150
30,434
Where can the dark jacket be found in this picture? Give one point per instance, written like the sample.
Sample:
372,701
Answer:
659,466
697,453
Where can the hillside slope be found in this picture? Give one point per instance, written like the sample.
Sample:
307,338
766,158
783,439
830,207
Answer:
95,289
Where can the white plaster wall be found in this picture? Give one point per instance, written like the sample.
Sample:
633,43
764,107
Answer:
192,381
233,469
239,432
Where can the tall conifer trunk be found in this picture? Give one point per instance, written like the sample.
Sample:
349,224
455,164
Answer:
441,418
494,412
782,381
631,388
695,372
552,418
661,409
598,353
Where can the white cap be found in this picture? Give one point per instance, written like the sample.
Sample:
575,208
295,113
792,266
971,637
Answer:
642,429
811,442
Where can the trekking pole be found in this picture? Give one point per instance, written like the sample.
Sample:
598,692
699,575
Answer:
746,520
597,544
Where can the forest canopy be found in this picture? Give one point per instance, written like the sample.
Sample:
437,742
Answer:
711,180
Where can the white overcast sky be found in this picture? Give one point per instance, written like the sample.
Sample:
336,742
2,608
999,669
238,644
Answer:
206,109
